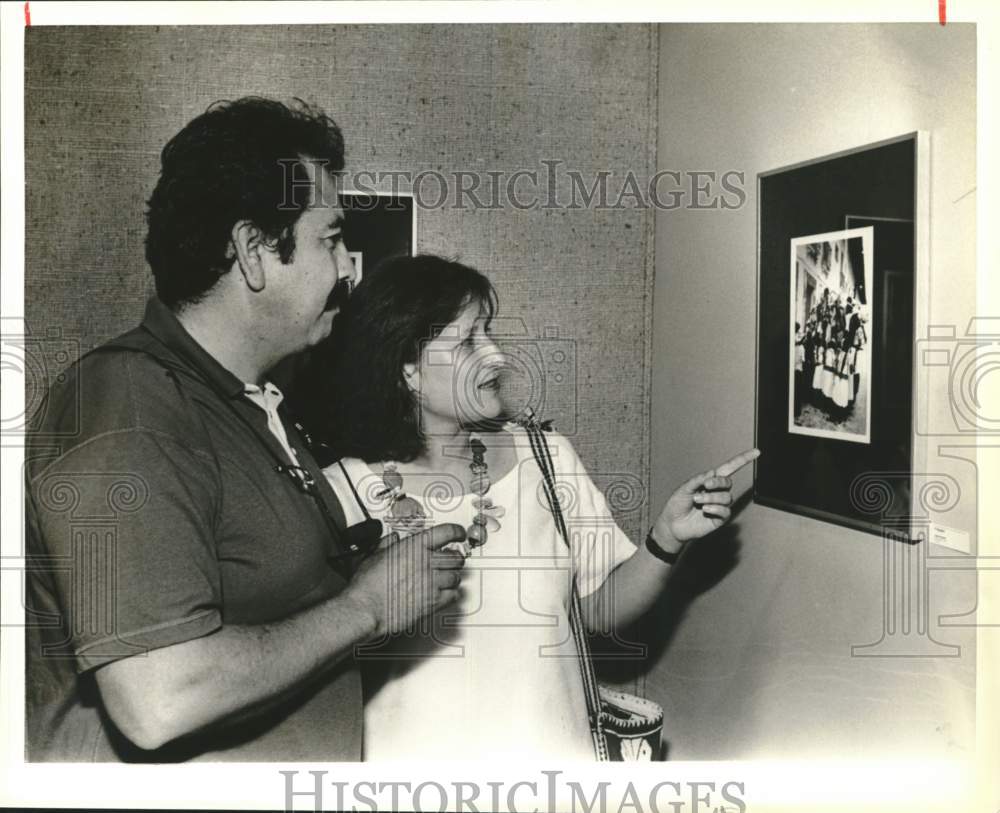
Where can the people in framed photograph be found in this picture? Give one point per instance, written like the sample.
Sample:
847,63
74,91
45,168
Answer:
828,390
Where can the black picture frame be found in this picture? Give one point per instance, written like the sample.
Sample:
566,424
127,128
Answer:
378,225
881,187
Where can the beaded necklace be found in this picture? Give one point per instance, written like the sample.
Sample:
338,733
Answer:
408,516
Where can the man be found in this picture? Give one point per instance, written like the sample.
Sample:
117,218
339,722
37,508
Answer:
192,593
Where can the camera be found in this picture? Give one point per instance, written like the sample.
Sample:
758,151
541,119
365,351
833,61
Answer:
541,374
962,367
537,372
39,360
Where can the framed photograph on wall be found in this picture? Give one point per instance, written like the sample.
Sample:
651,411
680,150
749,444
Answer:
836,289
378,225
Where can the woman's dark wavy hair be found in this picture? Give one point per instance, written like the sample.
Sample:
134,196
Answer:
231,163
360,402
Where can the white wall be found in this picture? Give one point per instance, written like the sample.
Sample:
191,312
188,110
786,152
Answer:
762,663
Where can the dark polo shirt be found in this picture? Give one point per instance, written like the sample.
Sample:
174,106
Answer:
154,516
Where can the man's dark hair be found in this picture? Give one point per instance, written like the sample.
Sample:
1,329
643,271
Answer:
357,398
239,160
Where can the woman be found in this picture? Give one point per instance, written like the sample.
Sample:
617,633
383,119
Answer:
416,413
801,340
832,345
820,345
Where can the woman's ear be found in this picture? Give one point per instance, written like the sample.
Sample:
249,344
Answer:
411,373
248,243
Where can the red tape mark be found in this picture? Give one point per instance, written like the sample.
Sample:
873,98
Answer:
942,12
27,15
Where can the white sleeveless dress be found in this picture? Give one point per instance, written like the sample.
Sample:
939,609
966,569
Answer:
494,675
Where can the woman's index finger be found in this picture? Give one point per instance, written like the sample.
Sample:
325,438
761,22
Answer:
735,464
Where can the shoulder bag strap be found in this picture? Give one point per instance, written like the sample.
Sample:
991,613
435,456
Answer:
543,457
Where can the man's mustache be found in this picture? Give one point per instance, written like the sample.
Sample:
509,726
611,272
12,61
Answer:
339,295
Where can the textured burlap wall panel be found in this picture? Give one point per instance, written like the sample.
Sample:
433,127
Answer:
100,104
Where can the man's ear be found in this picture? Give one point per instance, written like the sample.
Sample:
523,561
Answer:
248,241
411,372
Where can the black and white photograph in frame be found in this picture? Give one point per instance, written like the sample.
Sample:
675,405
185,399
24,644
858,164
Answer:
807,214
652,322
829,370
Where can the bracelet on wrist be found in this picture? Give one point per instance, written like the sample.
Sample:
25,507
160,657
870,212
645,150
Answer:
664,556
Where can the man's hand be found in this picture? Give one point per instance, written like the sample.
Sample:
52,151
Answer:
409,578
175,690
702,504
